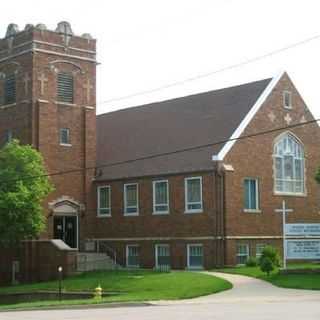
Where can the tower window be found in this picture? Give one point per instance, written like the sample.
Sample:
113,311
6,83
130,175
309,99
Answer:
10,89
65,136
65,87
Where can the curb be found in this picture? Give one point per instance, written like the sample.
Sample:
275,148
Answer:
82,306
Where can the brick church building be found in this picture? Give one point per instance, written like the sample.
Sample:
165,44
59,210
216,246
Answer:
183,183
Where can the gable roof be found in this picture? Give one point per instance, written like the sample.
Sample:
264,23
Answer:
168,126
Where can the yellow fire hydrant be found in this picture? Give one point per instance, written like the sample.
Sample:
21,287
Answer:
98,292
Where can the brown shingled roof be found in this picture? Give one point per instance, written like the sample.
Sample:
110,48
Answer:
171,125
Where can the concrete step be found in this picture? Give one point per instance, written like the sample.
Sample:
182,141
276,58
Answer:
89,261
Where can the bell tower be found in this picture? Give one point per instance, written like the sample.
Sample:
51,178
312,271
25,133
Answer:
48,100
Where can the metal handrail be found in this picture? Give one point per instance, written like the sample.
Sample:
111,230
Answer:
107,251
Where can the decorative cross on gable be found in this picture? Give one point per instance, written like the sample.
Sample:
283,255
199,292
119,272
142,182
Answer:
88,87
42,79
303,119
26,81
272,116
287,119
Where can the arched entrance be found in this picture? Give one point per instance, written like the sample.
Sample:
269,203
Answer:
65,213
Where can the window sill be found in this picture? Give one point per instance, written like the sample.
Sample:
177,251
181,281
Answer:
9,105
66,103
195,268
289,194
65,144
287,107
252,210
193,211
104,215
131,214
163,213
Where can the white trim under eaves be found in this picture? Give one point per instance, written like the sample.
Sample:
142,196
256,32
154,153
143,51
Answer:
237,133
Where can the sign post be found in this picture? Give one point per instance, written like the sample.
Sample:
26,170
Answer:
284,211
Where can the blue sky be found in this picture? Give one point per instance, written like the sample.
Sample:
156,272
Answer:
145,44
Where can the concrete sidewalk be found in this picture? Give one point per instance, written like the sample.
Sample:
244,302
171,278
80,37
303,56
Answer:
247,289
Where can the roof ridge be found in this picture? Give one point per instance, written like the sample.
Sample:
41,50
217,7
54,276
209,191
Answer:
182,97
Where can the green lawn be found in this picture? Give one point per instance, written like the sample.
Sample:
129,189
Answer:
294,281
139,285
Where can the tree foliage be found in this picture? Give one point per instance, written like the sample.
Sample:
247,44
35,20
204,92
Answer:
23,187
317,176
269,259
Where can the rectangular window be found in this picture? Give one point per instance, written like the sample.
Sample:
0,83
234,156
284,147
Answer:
162,255
131,202
10,89
133,256
195,256
65,87
8,136
287,99
251,194
64,136
193,194
160,197
104,201
259,249
242,253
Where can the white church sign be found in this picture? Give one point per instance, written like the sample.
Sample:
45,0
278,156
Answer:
302,229
303,249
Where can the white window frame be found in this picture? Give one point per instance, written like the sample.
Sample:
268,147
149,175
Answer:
157,246
303,163
284,93
263,245
9,136
60,136
257,209
242,254
190,245
127,255
103,215
125,200
186,196
155,211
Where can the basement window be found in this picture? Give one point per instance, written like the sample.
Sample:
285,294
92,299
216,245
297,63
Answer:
195,256
133,256
242,253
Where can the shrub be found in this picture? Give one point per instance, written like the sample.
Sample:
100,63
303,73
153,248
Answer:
269,259
266,265
252,262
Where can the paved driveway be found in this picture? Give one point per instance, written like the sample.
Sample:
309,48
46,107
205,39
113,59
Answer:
250,299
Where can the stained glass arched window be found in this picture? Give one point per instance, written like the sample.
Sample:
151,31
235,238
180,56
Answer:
288,156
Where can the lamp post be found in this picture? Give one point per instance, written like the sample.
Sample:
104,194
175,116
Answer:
60,281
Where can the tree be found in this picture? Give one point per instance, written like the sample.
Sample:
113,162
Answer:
317,176
23,187
269,259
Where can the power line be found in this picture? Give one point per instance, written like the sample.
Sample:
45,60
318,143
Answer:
208,74
58,173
